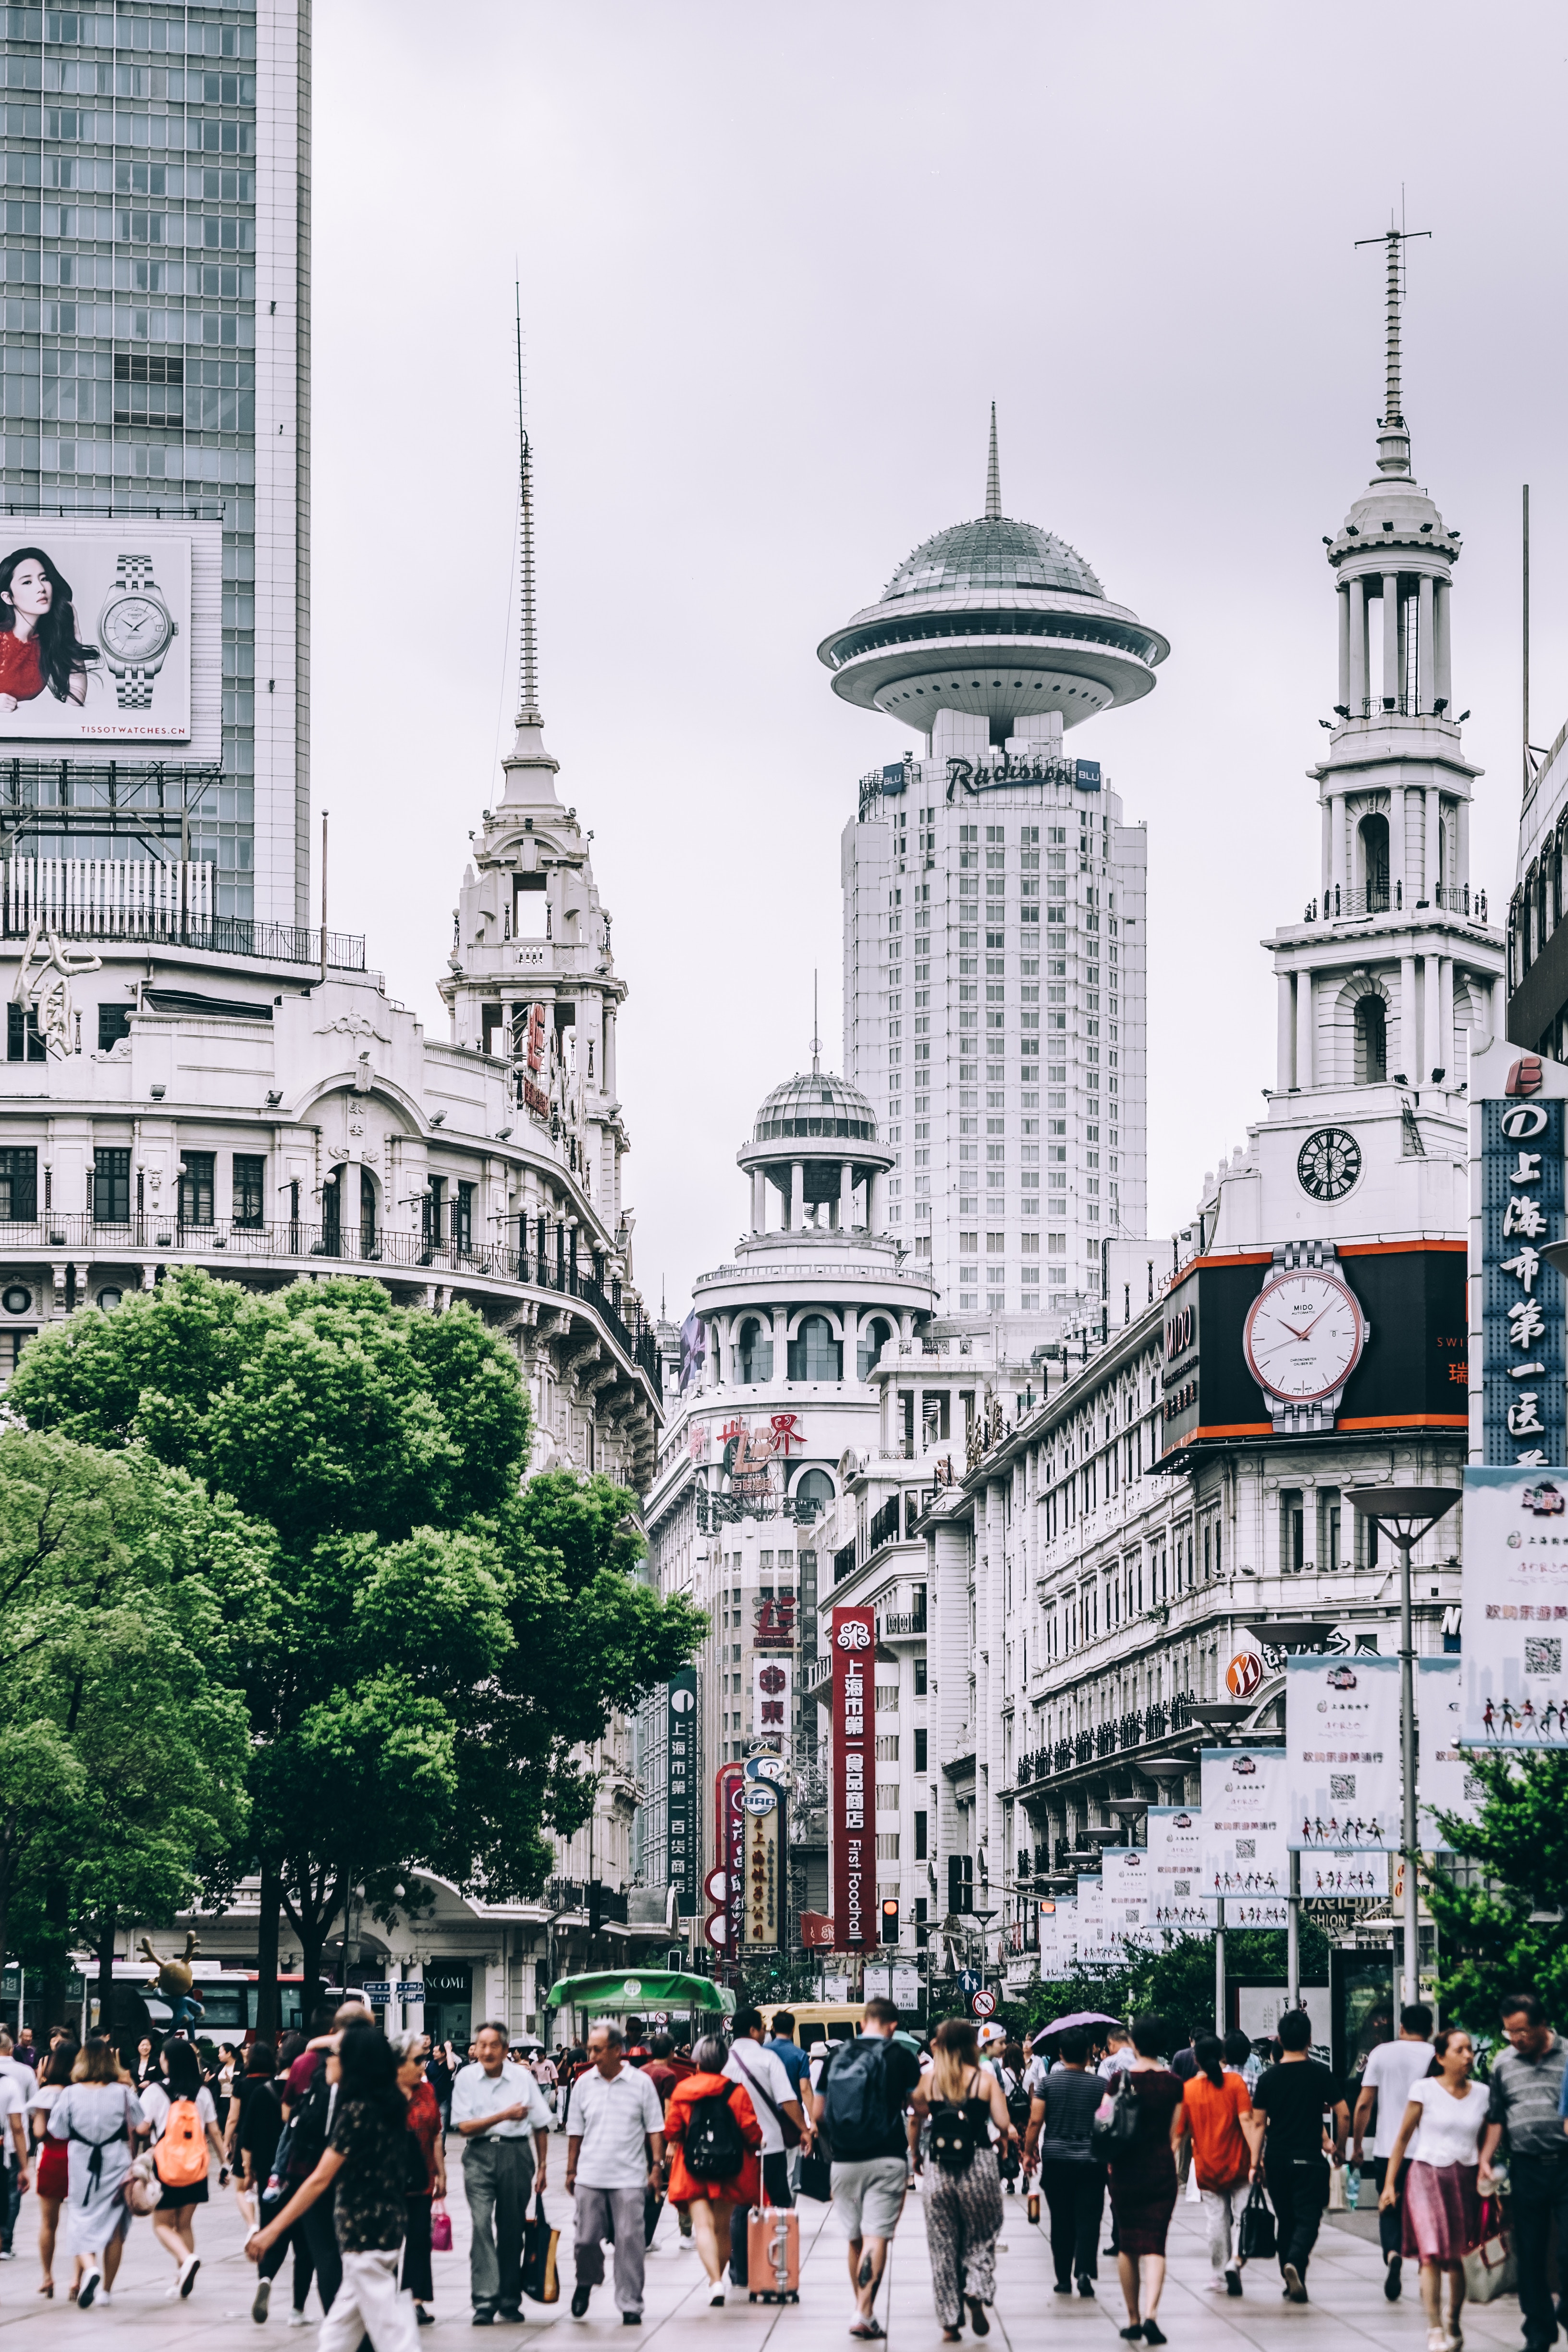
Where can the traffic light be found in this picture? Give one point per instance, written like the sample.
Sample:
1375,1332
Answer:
889,1919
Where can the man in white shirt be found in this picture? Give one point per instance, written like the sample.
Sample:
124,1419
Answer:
495,2105
16,2090
1390,2070
613,2151
774,2097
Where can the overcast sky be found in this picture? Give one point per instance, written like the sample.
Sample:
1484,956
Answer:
775,264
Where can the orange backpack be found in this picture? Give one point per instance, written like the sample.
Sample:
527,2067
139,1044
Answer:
180,2159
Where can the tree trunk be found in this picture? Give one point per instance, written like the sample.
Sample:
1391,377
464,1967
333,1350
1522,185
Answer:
269,2017
57,1966
105,1948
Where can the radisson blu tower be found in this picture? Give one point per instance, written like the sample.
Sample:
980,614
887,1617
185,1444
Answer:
995,946
155,408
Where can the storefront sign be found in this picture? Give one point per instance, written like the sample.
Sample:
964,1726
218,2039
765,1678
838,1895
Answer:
683,1830
1341,1735
1515,1587
1244,1818
854,1825
728,1815
774,1626
761,1865
1523,1411
773,1677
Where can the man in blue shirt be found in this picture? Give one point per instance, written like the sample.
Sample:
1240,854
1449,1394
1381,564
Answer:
797,2067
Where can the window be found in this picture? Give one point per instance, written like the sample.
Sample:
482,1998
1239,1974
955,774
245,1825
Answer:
814,1354
1328,1526
367,1241
961,1882
887,1794
871,1338
1292,1531
920,1751
24,1039
919,1693
1371,1040
19,1184
196,1188
113,1023
814,1487
111,1186
463,1220
754,1353
888,1753
249,1189
434,1207
920,1820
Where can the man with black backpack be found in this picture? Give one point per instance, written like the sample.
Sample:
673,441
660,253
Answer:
860,2102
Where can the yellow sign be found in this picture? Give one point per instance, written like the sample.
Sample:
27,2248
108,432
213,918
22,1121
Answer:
761,1891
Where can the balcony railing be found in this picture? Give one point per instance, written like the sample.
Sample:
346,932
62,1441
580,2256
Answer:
79,1235
145,902
901,1624
1135,1729
1342,906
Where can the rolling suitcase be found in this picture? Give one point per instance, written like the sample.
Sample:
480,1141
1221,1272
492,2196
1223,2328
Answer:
772,2254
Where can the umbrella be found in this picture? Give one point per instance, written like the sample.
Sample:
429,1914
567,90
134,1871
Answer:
1078,2017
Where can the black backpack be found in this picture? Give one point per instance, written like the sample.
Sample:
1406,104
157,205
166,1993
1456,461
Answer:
858,2113
1116,2133
956,2139
715,2149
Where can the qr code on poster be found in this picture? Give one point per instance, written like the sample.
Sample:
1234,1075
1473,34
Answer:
1543,1655
1182,1886
1341,1784
1246,1849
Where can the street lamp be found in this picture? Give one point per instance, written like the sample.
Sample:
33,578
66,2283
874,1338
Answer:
1406,1512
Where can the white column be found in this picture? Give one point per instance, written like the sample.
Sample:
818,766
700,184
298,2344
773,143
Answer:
1306,1016
1445,1039
610,1051
1391,637
1344,613
797,1195
759,1201
1397,847
1358,685
877,1206
1327,861
1286,1056
1461,845
781,1343
1425,671
1431,1032
851,1342
725,1333
1442,661
1500,1006
1409,1029
1430,818
846,1194
1340,858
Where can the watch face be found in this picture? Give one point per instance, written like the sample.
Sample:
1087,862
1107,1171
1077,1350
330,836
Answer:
1304,1337
1329,1163
135,629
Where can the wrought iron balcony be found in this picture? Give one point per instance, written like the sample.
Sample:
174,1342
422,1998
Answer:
1342,906
1137,1728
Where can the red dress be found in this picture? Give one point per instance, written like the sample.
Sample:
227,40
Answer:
21,666
745,2186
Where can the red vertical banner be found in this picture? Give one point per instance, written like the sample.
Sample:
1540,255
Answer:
854,1780
729,1789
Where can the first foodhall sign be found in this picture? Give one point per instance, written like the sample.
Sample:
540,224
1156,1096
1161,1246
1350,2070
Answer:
854,1645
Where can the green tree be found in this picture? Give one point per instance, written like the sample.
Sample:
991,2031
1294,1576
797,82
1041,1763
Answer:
1176,1983
1489,1944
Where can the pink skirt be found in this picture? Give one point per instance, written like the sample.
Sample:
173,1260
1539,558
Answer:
1442,2211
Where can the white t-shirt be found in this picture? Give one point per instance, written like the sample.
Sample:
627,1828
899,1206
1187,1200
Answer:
749,2063
1449,2131
1390,2071
156,2103
615,2119
11,2104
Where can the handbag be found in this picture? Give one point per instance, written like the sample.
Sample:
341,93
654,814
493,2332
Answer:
817,2178
1118,2129
1492,2269
539,2280
142,2192
1257,2240
440,2228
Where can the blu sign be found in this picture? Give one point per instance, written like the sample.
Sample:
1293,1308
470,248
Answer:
1523,1405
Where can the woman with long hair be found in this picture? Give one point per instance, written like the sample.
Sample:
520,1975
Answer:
371,2165
94,2117
1227,2140
711,2203
174,2223
963,2203
1441,2133
38,643
1143,2182
53,2181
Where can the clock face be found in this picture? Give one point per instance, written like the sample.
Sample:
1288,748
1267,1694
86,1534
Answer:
134,628
1304,1337
1329,1163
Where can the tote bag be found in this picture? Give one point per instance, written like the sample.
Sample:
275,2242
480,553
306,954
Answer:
540,2283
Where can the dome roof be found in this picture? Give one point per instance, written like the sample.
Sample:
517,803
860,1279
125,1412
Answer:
987,557
816,1104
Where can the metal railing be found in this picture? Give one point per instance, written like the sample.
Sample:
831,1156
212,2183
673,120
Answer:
902,1622
1342,906
144,1234
143,902
1136,1728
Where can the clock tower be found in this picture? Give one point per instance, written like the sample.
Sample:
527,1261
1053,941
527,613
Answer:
1392,969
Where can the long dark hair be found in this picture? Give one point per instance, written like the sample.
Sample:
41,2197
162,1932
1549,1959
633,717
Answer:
61,652
369,2073
181,2070
1208,2051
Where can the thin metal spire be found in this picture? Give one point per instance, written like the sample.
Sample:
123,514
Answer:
1393,433
993,476
815,1039
527,641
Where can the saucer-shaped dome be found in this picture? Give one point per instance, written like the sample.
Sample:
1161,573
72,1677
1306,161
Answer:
990,558
816,1104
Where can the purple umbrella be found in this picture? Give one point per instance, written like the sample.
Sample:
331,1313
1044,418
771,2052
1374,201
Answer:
1078,2017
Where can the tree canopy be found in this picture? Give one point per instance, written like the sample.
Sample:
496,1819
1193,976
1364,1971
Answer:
1516,1850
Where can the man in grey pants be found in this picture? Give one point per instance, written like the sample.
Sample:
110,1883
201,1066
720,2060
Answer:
614,2146
494,2105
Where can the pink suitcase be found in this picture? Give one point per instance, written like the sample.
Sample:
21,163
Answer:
772,2254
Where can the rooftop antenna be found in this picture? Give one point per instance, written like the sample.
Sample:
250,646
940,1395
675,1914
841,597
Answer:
993,476
527,643
815,1040
1393,433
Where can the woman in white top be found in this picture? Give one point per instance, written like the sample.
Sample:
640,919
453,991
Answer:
1441,2133
53,2182
173,2218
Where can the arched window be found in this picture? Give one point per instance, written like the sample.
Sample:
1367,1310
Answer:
1373,832
333,1215
753,1352
813,1488
873,1338
367,1241
813,1353
1371,1041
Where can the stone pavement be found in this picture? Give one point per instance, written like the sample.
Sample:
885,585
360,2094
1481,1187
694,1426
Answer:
1347,2307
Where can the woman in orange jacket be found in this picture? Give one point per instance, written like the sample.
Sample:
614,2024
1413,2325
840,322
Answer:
712,2202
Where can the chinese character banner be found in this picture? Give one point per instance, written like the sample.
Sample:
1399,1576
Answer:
772,1678
1515,1587
1341,1735
853,1820
683,1810
1524,1413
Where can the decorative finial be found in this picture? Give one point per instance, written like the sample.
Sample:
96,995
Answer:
1392,434
527,642
815,1040
993,476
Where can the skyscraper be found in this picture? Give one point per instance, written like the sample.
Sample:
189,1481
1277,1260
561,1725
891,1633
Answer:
1021,1135
156,367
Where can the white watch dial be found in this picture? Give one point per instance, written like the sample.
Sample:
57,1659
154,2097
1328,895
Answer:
134,628
1303,1338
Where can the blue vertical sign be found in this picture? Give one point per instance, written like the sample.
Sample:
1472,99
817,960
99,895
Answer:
1524,1412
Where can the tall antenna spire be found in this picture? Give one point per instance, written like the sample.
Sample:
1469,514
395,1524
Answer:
527,641
815,1040
1392,434
993,476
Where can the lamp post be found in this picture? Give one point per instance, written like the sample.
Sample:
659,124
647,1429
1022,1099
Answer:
1408,1512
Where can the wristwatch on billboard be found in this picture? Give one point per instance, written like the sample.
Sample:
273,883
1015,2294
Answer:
1304,1336
135,631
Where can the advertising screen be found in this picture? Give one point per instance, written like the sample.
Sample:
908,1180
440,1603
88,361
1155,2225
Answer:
100,638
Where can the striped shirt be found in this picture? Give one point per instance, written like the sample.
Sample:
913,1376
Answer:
1525,2096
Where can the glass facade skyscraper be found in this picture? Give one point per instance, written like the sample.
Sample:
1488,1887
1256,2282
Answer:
156,361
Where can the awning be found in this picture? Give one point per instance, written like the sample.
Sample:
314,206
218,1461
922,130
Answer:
640,1989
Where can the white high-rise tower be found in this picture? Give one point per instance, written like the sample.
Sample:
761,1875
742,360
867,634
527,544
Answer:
995,946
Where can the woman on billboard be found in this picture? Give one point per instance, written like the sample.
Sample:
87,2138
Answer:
38,643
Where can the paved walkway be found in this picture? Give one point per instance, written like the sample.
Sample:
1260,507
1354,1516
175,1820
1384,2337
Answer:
1347,2307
